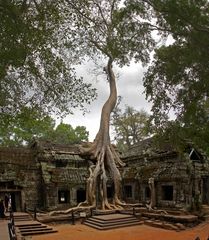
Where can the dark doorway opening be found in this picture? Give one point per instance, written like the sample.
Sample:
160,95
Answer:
81,195
205,190
147,193
128,191
167,193
12,200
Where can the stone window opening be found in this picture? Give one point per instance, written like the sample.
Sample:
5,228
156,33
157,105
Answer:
60,163
147,193
194,155
64,196
81,195
167,193
128,191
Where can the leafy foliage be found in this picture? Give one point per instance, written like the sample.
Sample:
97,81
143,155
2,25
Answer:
66,134
31,124
178,76
108,28
193,134
35,65
21,129
130,127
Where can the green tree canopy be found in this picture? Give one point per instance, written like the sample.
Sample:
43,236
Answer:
130,127
178,77
26,125
36,59
66,134
31,124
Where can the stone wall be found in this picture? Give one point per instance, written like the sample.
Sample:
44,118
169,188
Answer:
64,177
179,180
51,177
20,175
38,178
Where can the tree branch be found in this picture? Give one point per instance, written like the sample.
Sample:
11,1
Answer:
78,10
112,8
101,12
196,27
96,44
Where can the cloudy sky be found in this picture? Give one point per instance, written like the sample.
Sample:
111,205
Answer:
130,87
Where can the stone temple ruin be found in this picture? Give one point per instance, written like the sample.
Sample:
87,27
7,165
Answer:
53,176
181,178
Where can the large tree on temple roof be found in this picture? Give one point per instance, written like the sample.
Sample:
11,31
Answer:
107,29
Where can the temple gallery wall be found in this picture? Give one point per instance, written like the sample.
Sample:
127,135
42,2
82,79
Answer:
51,176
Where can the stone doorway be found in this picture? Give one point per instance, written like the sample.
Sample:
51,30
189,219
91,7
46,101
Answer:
167,193
16,200
128,191
205,190
10,188
81,195
147,193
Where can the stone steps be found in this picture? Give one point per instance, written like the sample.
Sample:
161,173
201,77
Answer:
205,211
106,222
22,218
172,218
26,226
165,225
112,223
34,228
27,223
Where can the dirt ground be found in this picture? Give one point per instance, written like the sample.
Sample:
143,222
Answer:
141,232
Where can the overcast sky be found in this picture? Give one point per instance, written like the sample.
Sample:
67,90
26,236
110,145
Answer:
130,88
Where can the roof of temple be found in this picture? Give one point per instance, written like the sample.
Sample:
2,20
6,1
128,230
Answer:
150,148
56,147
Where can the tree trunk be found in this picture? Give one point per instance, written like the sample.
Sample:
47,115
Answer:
103,153
152,204
105,158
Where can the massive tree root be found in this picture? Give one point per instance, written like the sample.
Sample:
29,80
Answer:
104,156
152,204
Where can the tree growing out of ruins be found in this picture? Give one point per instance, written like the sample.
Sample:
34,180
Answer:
109,30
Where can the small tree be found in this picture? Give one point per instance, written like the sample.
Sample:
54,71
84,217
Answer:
26,125
130,127
66,134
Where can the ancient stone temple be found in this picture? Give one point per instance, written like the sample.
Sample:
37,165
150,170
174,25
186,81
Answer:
181,178
44,175
53,176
